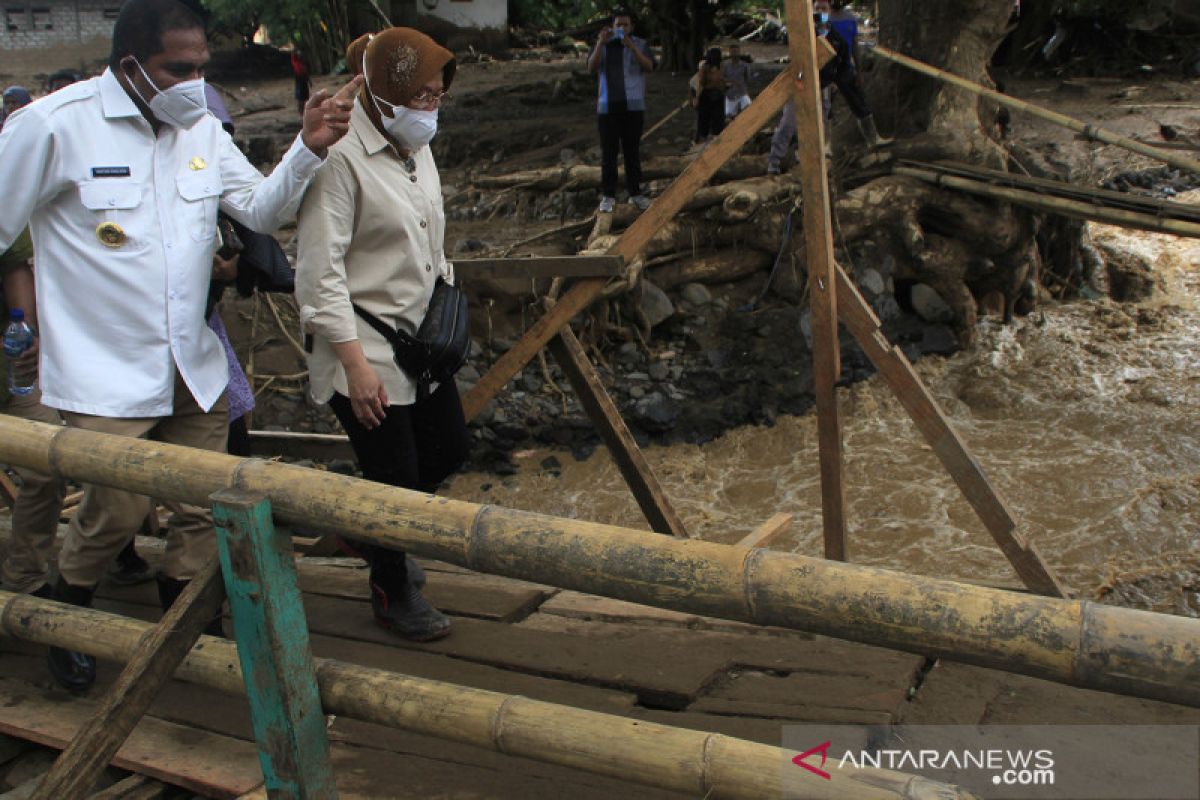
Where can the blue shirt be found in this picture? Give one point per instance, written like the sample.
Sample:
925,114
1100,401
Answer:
622,79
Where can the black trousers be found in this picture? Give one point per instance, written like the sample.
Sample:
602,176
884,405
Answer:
417,447
621,131
710,113
845,77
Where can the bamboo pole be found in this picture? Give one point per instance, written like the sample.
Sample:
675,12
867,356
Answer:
1094,132
1057,205
1076,642
695,762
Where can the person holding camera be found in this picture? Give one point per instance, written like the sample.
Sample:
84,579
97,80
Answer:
622,61
371,235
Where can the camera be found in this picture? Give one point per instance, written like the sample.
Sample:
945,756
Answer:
618,33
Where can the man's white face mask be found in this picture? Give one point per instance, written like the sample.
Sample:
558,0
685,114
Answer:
412,128
181,105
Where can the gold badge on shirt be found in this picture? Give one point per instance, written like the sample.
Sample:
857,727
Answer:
197,163
110,234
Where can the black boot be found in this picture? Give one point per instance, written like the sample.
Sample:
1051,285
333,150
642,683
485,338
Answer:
398,605
130,568
73,671
169,590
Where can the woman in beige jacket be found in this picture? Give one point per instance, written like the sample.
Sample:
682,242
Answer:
371,234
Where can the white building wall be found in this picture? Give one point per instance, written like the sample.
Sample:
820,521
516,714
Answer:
478,14
26,25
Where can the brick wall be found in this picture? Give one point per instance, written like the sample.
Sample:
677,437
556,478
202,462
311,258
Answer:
27,25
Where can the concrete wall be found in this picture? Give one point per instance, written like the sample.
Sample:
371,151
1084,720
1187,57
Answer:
39,24
458,24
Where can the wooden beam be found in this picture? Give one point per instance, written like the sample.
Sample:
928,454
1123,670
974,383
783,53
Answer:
894,366
635,238
818,247
603,266
79,766
625,452
764,535
273,647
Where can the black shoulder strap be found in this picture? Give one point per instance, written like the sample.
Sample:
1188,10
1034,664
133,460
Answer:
379,325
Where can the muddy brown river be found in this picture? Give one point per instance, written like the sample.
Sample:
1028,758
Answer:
1085,416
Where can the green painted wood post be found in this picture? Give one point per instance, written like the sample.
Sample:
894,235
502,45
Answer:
273,647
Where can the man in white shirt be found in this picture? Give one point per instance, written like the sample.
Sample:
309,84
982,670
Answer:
120,178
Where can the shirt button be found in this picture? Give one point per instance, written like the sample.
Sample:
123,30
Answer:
423,225
412,178
429,268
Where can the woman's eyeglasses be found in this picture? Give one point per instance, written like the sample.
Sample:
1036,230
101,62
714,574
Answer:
428,98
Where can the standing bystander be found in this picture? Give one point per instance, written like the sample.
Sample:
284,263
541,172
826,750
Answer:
622,61
736,73
303,80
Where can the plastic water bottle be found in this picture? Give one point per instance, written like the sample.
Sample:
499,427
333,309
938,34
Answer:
18,337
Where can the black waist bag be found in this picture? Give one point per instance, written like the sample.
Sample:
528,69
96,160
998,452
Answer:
442,342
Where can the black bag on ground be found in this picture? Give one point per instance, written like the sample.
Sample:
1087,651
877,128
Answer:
442,342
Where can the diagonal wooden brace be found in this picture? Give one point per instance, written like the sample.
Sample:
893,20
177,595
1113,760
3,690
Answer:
894,366
162,650
648,492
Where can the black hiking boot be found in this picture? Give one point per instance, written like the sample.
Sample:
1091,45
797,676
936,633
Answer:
73,671
399,606
169,590
129,569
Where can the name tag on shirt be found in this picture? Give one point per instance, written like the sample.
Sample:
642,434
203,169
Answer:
110,172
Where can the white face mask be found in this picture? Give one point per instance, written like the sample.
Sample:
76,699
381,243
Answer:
412,128
182,105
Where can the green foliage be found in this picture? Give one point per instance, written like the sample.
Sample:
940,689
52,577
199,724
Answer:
320,27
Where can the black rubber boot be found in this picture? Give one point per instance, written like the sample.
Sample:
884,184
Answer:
169,590
398,605
129,569
73,671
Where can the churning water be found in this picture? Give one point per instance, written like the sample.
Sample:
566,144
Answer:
1085,416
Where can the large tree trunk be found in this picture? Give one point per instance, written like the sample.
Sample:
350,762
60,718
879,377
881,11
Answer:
959,36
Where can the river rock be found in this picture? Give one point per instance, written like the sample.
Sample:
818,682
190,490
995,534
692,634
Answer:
657,307
655,413
531,381
939,340
871,282
697,294
929,305
659,371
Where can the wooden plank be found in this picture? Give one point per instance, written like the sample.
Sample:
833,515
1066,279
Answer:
324,446
764,535
153,663
273,647
205,763
634,467
532,267
638,663
947,446
818,246
135,787
459,595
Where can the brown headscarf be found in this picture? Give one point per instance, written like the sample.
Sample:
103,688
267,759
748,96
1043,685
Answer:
354,54
399,61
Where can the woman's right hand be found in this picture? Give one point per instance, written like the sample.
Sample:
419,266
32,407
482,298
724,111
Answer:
368,398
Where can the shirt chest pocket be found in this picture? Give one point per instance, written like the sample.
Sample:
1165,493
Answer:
200,193
117,204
